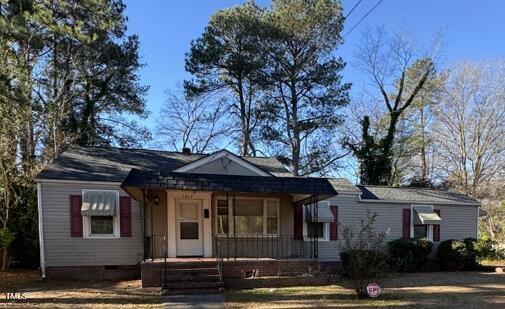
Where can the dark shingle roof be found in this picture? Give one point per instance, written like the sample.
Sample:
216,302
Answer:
343,185
227,183
412,194
114,164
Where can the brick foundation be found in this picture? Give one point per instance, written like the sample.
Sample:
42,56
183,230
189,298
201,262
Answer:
123,272
312,272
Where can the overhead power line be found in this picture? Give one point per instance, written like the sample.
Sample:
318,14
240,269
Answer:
362,18
354,7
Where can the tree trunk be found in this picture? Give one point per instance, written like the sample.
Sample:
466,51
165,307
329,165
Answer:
424,167
244,150
295,143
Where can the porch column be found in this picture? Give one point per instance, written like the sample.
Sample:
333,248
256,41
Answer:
171,226
207,226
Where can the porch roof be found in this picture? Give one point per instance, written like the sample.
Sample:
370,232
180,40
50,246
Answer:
227,183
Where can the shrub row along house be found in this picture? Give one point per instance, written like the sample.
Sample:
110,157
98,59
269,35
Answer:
182,220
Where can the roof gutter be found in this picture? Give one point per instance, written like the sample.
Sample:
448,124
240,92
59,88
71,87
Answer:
41,233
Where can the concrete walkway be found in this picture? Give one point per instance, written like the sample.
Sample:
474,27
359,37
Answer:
207,301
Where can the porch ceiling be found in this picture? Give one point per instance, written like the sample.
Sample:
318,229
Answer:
227,183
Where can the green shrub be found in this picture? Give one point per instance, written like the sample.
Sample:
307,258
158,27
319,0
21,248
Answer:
409,255
362,254
486,249
363,267
455,255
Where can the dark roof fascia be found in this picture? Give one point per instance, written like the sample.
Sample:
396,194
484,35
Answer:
227,183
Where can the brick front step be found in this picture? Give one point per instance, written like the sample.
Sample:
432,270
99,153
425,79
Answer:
192,271
194,278
192,265
193,285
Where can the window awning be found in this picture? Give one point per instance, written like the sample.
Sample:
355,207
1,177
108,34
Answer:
99,203
324,213
426,215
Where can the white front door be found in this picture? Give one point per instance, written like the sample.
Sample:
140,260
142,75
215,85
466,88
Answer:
189,227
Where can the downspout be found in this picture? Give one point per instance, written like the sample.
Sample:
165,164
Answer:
478,219
41,232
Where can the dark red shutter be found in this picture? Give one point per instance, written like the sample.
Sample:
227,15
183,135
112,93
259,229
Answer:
436,228
75,216
298,222
125,216
406,223
334,224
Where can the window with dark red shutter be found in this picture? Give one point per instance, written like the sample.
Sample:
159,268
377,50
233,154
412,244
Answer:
334,224
406,223
75,216
125,216
436,227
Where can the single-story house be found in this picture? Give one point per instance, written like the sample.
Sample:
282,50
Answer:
179,219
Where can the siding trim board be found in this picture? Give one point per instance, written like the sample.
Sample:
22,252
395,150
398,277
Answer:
41,232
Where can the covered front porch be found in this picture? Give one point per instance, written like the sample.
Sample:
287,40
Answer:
200,229
228,216
229,226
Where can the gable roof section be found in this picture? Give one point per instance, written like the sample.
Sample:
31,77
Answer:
188,168
110,164
413,195
343,185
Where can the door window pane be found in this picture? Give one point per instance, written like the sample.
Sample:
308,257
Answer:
189,230
102,225
188,211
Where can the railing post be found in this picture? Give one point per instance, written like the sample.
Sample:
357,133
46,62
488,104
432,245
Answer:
165,262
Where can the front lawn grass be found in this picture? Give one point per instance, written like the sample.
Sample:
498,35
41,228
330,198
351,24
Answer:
424,290
75,294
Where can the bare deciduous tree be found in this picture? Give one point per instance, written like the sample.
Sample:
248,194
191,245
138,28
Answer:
469,133
198,124
470,125
400,71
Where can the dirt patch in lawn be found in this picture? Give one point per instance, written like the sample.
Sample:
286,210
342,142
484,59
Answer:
66,294
424,290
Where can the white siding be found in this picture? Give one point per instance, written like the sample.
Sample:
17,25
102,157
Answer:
458,222
63,250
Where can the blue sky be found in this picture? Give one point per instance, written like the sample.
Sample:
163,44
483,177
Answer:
472,30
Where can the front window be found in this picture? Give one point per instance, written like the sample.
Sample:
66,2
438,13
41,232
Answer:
102,225
100,213
248,217
253,216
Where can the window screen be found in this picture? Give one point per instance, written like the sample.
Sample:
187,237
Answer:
249,217
315,230
102,225
420,231
272,217
222,217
